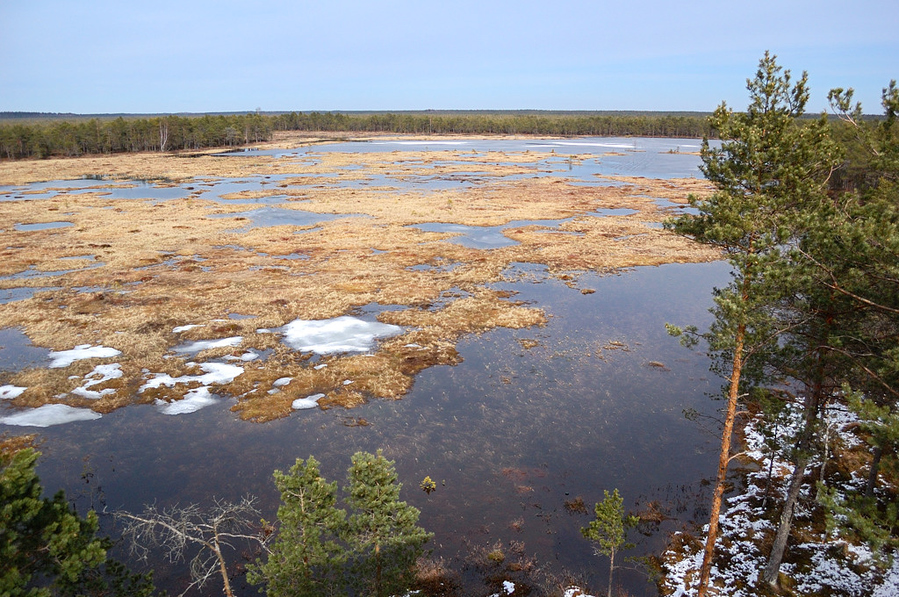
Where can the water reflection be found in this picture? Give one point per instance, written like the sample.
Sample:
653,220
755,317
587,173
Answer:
529,419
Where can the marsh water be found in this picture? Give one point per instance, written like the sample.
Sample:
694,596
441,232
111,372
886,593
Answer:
528,422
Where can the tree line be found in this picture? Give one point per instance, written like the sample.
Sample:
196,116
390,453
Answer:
808,217
75,137
500,123
95,136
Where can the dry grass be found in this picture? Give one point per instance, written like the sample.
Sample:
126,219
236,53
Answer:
151,266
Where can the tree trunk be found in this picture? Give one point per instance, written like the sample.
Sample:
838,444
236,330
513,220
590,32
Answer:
812,405
872,474
723,460
611,570
772,569
224,568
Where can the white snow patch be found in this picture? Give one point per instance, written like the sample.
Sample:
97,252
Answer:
184,328
193,401
65,358
742,522
215,373
341,334
50,414
282,381
100,374
890,585
207,344
508,587
575,592
320,367
9,392
307,402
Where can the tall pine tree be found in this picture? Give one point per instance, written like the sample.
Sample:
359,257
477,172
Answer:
768,168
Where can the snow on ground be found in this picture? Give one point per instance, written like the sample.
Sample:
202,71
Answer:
307,402
508,589
49,414
100,374
9,392
835,566
84,351
340,334
219,373
196,398
192,347
184,328
193,401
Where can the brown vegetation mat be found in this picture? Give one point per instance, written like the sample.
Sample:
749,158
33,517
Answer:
127,272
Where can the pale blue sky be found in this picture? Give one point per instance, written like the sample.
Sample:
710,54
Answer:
97,56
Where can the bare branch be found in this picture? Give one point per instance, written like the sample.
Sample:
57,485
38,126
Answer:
179,529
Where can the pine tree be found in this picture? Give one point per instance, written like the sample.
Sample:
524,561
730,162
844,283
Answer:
609,529
382,532
305,559
46,548
768,168
854,254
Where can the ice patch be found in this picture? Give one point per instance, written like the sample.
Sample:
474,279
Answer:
65,358
9,392
207,344
341,334
50,414
308,402
193,401
184,328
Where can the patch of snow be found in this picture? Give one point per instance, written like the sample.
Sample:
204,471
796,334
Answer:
193,401
837,567
320,367
50,414
219,373
508,587
184,328
282,381
890,585
341,334
307,402
100,374
64,358
249,356
207,344
575,592
9,392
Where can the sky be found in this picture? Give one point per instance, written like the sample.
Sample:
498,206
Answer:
95,56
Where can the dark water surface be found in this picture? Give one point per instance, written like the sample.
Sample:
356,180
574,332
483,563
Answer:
509,434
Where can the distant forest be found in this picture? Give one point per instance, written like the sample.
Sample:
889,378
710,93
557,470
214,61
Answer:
37,135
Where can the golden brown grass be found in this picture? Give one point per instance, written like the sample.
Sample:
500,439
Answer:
152,266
